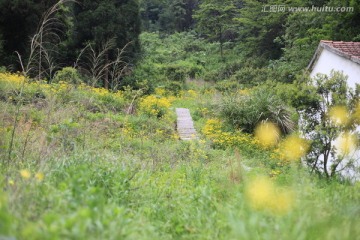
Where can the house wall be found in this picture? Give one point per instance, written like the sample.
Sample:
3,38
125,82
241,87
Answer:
328,61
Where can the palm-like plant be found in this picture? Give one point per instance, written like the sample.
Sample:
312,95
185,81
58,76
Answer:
247,111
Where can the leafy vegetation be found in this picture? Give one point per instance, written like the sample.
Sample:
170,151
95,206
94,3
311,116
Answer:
80,164
331,125
91,151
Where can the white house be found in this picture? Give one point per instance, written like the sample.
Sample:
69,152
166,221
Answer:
340,56
345,57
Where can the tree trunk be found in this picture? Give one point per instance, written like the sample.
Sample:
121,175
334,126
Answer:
326,159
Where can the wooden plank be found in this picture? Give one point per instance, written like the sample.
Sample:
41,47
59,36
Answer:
185,125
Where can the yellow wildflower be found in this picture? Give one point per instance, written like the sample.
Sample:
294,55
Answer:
293,148
267,133
39,176
339,115
191,93
260,192
263,194
245,92
25,173
155,106
160,91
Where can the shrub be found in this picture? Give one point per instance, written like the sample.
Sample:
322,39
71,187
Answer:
174,87
154,106
248,110
68,75
250,77
11,88
213,130
225,86
179,71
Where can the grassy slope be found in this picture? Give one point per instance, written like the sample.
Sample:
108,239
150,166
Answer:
81,168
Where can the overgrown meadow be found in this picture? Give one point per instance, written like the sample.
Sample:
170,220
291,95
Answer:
80,162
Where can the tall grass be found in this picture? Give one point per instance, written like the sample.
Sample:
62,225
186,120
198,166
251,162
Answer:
85,168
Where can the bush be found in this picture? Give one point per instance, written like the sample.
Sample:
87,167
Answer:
154,106
68,75
181,70
11,89
250,77
225,86
174,87
248,110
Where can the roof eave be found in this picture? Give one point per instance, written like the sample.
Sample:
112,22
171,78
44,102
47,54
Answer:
315,58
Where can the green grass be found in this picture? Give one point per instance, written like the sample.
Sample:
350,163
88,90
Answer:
113,175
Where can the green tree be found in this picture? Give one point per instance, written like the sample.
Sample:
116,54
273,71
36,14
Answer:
303,31
172,19
98,22
214,18
259,28
167,16
18,22
333,116
150,11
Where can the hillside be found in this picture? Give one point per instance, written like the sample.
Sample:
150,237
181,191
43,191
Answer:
89,143
81,162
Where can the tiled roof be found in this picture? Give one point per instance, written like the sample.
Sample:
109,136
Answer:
350,50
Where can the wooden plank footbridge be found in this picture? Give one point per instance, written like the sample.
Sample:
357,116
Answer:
185,125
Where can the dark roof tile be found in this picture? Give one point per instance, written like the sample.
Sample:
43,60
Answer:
347,49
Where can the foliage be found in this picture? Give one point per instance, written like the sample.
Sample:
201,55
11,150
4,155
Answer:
213,130
77,172
155,106
246,111
331,120
18,23
215,19
91,163
68,75
100,22
181,70
250,77
167,16
94,99
258,29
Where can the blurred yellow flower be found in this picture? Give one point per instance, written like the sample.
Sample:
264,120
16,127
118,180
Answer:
293,148
339,115
283,201
39,176
260,192
263,194
346,143
267,133
25,173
